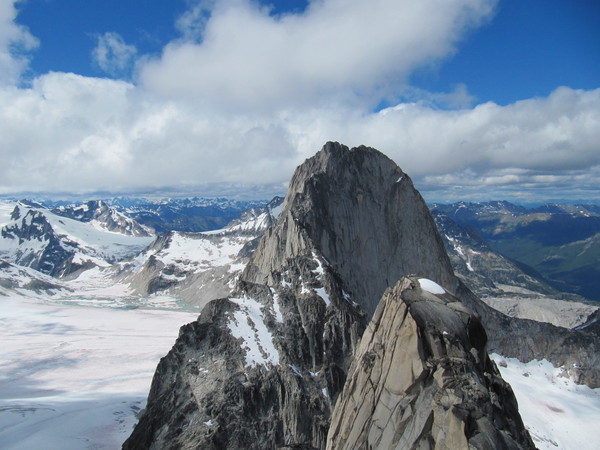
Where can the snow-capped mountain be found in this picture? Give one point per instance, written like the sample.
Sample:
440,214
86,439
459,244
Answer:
101,256
98,214
198,267
276,352
183,214
59,246
269,366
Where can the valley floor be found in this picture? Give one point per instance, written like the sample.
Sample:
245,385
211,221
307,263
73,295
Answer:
558,413
74,377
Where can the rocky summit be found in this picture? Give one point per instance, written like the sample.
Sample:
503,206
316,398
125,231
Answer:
421,378
362,214
265,367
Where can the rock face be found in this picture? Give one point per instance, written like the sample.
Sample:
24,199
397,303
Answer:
365,217
263,368
421,378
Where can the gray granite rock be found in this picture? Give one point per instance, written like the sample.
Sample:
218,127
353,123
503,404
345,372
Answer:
366,218
263,368
421,378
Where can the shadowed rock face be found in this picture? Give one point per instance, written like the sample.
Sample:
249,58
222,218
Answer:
421,378
366,219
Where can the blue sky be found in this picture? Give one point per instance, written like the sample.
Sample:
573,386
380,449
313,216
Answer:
475,99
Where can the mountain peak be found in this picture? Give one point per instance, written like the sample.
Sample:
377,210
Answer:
361,212
421,378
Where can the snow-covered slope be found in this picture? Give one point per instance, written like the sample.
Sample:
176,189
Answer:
558,413
38,238
28,282
73,377
6,208
78,354
197,267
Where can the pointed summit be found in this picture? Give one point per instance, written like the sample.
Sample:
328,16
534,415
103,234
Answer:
361,212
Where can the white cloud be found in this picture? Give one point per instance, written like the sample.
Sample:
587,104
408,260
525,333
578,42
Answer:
15,42
336,51
109,134
192,22
113,55
244,97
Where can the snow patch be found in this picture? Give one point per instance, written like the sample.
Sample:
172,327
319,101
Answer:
319,270
346,296
276,211
248,324
431,286
296,370
324,295
276,307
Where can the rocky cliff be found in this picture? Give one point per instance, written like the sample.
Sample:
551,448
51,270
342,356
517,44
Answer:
366,219
263,368
421,378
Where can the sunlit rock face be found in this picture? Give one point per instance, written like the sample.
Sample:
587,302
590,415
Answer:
421,378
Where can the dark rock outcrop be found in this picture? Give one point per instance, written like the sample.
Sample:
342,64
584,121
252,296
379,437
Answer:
421,378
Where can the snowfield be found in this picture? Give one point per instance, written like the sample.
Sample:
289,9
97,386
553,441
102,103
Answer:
73,377
558,413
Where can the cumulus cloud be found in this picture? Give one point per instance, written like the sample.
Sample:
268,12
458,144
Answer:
15,43
192,22
113,55
244,97
109,134
336,51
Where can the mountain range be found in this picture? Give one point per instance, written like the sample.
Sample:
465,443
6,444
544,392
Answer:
346,303
285,360
558,243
